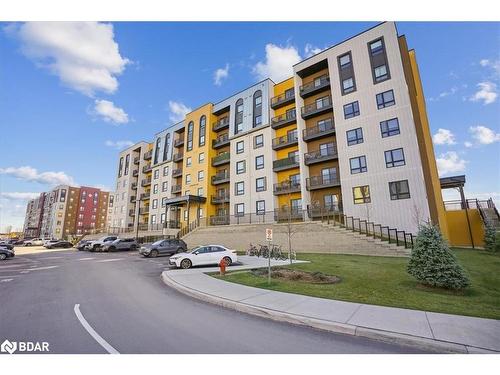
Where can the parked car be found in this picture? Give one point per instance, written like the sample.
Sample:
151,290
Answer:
204,255
96,245
19,243
34,242
6,253
7,245
81,245
59,245
120,244
49,242
168,246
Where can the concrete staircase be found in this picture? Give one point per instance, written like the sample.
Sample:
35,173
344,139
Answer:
307,237
491,217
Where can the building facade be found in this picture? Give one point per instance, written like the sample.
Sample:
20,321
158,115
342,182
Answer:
348,132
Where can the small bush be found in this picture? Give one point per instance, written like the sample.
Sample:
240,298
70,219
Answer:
491,239
432,263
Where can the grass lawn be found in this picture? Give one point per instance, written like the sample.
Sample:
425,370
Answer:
384,281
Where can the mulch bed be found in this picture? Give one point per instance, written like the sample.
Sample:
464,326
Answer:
296,275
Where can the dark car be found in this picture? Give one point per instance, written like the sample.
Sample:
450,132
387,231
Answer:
81,245
5,253
163,247
7,245
60,245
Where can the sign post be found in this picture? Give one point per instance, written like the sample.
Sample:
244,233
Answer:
269,238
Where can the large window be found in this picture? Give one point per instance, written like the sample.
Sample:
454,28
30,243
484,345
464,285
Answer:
345,61
258,141
351,110
361,194
296,205
120,167
166,147
239,188
188,179
260,184
346,73
238,120
155,203
203,128
260,207
257,108
378,61
240,167
127,164
190,130
239,209
259,162
155,188
399,190
376,47
330,202
394,158
354,136
347,85
240,147
389,128
164,186
358,164
380,73
385,99
157,151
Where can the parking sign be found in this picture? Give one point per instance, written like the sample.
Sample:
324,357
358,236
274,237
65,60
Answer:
269,234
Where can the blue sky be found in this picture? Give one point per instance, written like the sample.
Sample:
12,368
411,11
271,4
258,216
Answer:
72,94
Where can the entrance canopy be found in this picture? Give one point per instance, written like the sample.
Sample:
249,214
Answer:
452,182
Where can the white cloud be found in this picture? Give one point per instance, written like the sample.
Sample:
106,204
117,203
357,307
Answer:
487,93
468,144
220,75
31,174
483,135
109,112
444,137
84,55
310,50
493,64
177,111
19,196
450,162
119,145
278,64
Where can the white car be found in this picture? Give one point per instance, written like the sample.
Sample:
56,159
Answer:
34,242
204,255
49,242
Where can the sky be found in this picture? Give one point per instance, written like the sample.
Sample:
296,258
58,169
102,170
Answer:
73,94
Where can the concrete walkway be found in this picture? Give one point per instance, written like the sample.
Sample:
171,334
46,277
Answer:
427,330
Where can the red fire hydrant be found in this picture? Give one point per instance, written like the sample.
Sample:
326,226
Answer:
222,265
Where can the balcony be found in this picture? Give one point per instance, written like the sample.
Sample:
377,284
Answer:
288,140
219,220
223,123
148,155
147,168
318,85
144,210
286,187
145,196
322,181
286,163
135,172
131,212
178,157
317,108
132,199
221,159
325,129
221,141
283,120
220,198
134,185
176,189
321,155
282,100
177,172
146,182
220,178
137,160
179,142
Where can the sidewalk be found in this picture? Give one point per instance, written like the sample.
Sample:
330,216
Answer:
426,330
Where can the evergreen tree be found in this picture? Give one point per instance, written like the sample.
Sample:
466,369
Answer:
432,262
490,238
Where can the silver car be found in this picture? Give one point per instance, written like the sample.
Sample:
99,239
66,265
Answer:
120,244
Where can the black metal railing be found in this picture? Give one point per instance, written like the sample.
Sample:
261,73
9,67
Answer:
148,155
286,187
145,195
220,198
135,172
144,210
137,160
134,185
283,99
325,128
286,163
220,178
317,85
221,124
220,141
322,181
177,172
283,120
221,159
179,142
146,182
285,141
178,156
323,154
176,189
147,168
318,107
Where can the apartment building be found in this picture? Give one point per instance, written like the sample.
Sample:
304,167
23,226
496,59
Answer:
68,211
348,132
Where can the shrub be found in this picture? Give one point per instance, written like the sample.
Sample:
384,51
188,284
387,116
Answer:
491,240
432,263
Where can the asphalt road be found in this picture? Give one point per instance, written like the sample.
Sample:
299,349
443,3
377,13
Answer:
123,299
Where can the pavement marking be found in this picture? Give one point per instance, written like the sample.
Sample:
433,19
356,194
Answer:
31,269
86,258
5,280
50,258
24,272
109,260
93,333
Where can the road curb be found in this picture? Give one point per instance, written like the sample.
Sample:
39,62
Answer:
325,325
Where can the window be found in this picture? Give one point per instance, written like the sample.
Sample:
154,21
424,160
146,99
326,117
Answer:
361,194
162,218
240,167
190,130
120,168
354,136
201,157
239,188
260,184
164,186
153,219
380,73
399,190
351,110
376,47
260,207
294,179
238,120
155,203
189,161
259,162
157,150
258,141
203,127
358,165
296,205
164,202
201,175
127,162
347,85
188,179
389,128
257,108
290,93
186,213
156,174
240,147
345,60
385,99
200,213
165,171
394,158
239,209
330,201
200,192
166,147
155,188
